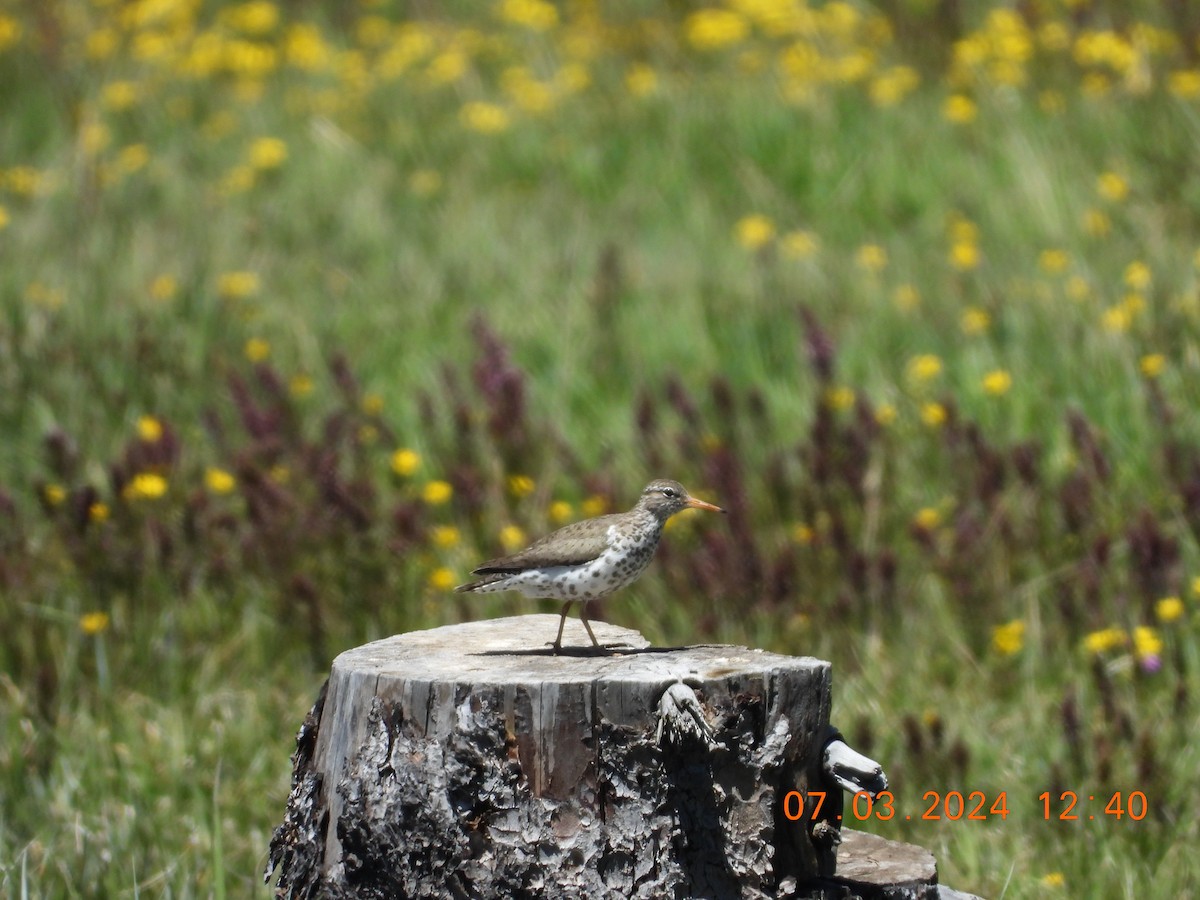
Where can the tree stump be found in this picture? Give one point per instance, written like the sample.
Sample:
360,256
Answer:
467,761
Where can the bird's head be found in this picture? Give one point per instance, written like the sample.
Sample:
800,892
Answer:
663,498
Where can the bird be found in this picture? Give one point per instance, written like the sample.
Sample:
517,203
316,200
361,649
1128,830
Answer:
589,559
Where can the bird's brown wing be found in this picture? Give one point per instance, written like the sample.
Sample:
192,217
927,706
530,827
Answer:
570,545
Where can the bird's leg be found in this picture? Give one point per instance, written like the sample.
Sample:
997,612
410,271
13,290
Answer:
557,645
583,618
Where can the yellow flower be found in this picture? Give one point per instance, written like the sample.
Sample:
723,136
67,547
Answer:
405,462
924,368
1137,275
237,285
959,109
119,95
447,67
300,385
94,622
1104,640
4,220
1112,186
1146,642
962,230
560,512
1053,880
268,153
520,485
100,44
1096,84
164,287
1168,609
98,512
799,244
1054,36
974,321
133,157
47,297
252,60
927,518
145,486
1008,639
1052,102
1152,364
964,256
1097,223
754,231
54,494
712,29
840,397
529,93
257,350
803,534
435,493
933,414
1116,319
885,414
425,182
1078,288
512,537
997,382
1054,261
237,180
1196,586
536,15
906,297
10,32
279,473
594,505
641,80
257,17
305,48
219,481
1185,83
486,118
872,258
25,181
446,536
149,429
893,85
441,579
372,404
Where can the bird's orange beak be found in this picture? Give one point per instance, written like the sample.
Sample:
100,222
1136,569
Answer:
693,503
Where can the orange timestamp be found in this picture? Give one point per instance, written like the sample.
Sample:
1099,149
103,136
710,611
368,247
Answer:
1119,805
975,806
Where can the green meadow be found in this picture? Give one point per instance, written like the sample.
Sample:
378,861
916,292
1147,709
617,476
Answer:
307,308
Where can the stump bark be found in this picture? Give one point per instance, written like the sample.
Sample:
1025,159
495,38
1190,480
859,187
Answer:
467,761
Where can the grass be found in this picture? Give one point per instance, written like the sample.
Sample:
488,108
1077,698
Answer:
698,261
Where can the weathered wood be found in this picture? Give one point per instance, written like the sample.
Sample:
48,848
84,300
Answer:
878,869
469,762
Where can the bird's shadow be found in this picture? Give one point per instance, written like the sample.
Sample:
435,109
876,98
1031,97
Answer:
601,652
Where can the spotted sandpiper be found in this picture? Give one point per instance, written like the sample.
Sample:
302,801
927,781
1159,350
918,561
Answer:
591,559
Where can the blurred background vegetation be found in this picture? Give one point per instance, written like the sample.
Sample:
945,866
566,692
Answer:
307,307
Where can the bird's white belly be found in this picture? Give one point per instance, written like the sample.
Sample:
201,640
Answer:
612,570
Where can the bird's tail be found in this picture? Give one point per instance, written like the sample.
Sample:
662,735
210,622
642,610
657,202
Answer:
482,583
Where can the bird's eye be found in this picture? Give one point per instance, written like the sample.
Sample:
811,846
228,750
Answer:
670,492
